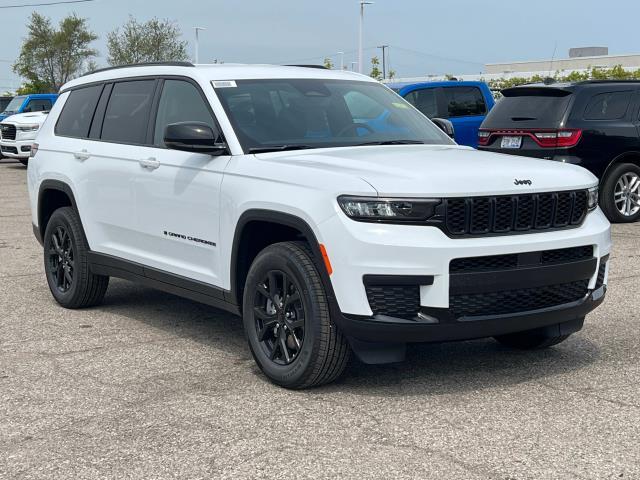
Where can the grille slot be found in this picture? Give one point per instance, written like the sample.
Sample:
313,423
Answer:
8,131
400,301
521,213
516,301
506,262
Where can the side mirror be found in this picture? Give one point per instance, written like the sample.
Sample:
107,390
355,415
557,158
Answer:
197,137
445,125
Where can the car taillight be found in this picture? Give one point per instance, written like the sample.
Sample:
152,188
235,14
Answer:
483,137
34,150
558,138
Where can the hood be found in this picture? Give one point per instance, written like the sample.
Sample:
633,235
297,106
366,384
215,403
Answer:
26,118
438,170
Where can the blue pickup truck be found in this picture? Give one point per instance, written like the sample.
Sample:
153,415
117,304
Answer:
36,102
465,104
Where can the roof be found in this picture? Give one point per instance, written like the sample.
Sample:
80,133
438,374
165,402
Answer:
207,73
435,84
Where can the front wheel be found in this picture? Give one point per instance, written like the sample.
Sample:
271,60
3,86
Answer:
287,322
620,197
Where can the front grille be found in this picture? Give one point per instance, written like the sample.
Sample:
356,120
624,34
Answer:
515,301
510,261
8,131
515,213
400,301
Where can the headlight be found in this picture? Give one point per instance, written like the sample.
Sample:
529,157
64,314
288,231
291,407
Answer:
592,198
28,128
392,210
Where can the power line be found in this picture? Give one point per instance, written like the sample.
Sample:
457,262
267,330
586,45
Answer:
437,57
44,4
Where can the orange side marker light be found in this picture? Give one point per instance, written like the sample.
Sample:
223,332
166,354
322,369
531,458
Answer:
325,258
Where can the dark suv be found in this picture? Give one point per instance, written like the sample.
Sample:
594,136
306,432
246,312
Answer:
594,124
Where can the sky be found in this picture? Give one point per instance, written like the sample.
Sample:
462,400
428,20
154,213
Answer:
425,36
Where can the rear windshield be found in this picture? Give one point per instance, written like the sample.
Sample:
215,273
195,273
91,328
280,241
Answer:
528,111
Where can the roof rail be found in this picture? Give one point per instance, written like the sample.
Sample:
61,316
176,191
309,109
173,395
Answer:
321,67
147,64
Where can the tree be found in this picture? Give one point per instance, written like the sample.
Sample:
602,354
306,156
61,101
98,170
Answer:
152,41
375,69
50,57
328,63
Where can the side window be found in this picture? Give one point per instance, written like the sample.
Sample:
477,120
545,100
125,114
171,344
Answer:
76,115
464,101
180,102
127,115
425,100
38,105
608,106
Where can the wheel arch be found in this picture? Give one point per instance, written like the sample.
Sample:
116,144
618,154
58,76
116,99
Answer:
626,157
283,227
52,195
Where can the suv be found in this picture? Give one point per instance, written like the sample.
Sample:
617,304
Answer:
465,104
261,191
594,124
36,102
17,134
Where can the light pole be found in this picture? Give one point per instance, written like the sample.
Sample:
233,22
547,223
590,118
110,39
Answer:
362,4
341,60
384,62
197,29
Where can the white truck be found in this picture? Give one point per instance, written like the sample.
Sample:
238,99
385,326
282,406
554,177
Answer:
319,205
17,134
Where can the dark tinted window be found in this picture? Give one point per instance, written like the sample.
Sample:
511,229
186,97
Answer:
535,110
127,115
608,106
38,105
76,115
464,101
424,100
180,102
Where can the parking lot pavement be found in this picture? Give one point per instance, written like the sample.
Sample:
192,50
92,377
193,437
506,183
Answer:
149,385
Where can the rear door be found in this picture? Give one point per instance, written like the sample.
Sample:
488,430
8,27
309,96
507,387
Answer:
466,108
178,193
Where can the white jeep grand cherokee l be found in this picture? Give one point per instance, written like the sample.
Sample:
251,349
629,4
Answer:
319,205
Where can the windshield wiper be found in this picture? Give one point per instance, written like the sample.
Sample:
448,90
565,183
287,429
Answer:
279,148
393,142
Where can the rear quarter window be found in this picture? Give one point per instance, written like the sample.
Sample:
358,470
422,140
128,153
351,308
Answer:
77,113
464,101
608,106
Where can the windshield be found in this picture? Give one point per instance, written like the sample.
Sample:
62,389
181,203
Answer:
284,114
15,104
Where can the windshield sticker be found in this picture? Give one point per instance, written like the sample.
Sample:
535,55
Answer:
224,84
400,105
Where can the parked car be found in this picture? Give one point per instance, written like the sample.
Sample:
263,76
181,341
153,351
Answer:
593,124
465,104
4,101
17,134
37,102
256,189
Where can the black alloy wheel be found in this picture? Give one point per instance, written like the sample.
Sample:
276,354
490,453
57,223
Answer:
61,259
279,317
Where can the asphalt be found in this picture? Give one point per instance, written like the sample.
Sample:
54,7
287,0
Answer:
149,385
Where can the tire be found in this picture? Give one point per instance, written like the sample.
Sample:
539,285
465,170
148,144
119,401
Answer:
24,161
621,176
291,335
70,279
530,340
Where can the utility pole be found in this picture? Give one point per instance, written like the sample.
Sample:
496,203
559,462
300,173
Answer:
341,60
195,60
360,62
384,61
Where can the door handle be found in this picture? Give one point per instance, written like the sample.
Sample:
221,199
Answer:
81,155
149,163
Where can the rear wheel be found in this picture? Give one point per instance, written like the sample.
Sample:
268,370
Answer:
286,319
70,279
620,197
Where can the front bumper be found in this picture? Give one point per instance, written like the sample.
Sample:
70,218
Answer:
16,148
424,254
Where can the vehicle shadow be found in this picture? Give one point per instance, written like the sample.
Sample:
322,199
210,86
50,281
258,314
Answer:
433,369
